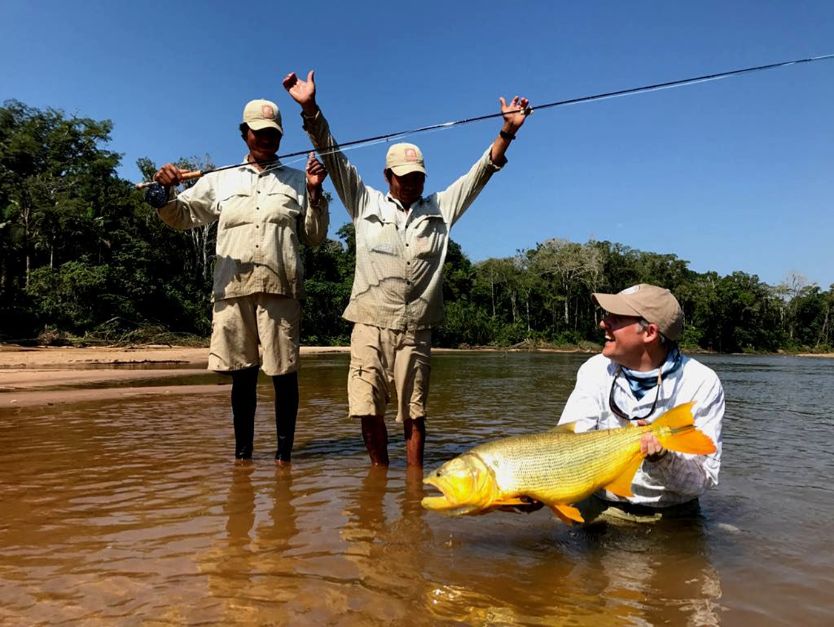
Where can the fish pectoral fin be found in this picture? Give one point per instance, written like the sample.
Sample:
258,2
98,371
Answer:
621,486
509,501
567,513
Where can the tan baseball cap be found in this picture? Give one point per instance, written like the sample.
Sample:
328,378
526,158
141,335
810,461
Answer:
404,158
654,304
260,114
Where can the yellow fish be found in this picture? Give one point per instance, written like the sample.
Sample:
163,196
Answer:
558,467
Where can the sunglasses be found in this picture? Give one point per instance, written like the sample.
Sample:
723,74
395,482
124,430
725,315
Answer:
615,409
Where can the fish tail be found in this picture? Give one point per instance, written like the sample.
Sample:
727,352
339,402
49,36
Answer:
682,436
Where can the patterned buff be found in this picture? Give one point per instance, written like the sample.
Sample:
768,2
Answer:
642,382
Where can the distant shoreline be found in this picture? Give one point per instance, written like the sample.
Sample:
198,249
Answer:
61,357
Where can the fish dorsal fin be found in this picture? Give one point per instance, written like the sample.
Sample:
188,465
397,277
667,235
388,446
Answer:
678,416
568,427
567,513
621,486
685,438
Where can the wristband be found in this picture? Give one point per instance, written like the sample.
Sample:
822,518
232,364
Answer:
505,135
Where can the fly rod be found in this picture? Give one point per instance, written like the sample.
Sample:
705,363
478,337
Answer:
194,174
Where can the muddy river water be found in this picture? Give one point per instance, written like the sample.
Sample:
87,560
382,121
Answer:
130,511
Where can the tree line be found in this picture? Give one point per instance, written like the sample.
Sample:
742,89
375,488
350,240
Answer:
83,256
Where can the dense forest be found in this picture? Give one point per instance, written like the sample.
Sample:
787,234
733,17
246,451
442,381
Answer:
83,258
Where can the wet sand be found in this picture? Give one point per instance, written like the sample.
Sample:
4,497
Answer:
50,375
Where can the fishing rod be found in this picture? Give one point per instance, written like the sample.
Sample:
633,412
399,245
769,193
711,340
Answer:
194,174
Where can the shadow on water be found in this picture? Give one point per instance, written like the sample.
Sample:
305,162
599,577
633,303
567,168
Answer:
130,510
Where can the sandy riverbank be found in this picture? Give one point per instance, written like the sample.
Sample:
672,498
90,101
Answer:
58,357
52,375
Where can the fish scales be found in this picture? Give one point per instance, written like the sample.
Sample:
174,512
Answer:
551,465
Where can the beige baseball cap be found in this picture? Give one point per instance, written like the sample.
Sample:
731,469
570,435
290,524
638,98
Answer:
260,114
654,304
404,158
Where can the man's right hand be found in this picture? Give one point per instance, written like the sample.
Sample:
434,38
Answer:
303,92
168,175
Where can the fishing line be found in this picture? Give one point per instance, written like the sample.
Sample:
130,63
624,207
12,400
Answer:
368,141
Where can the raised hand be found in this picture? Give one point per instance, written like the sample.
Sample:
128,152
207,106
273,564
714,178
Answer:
303,92
515,113
315,172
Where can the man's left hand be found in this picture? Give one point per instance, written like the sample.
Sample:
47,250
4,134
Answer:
515,112
316,172
650,446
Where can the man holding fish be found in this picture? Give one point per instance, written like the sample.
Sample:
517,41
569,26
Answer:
641,373
639,437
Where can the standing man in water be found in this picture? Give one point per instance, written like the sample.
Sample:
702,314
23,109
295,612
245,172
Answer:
401,241
264,210
639,375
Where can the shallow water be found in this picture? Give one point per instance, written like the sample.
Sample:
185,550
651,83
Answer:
130,511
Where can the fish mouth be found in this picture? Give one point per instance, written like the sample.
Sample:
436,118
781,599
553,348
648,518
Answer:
444,503
434,501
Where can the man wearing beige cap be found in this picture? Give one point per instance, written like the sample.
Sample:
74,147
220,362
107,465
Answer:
639,375
401,241
263,210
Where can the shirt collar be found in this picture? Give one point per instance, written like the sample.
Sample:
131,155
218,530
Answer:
275,165
390,198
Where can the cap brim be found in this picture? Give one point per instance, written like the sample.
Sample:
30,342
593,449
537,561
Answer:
259,125
615,304
408,168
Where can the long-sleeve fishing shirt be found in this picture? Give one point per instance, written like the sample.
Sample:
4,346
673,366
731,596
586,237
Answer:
399,254
262,216
676,477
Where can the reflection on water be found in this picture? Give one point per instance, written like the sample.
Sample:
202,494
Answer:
131,510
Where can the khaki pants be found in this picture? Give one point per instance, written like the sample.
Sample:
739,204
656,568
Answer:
240,325
385,362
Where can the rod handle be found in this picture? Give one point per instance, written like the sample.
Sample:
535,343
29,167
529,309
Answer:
184,176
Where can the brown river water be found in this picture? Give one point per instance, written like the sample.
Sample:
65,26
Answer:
130,511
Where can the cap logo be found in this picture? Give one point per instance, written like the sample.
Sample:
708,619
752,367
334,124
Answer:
267,112
411,154
631,290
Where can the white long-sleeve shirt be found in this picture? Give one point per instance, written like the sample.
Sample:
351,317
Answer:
262,216
676,477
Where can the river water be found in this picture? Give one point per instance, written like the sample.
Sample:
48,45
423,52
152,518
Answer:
130,511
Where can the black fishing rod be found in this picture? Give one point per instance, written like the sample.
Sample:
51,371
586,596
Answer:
550,105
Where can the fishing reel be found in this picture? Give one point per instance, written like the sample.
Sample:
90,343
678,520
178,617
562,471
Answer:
156,195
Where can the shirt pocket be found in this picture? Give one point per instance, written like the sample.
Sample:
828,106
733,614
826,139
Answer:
429,236
380,237
236,207
280,207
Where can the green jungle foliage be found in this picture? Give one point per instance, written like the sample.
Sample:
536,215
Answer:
82,256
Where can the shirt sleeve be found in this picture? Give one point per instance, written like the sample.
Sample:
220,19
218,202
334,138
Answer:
195,206
346,180
456,199
692,474
583,406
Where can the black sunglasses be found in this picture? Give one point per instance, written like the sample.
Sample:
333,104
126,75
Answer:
619,412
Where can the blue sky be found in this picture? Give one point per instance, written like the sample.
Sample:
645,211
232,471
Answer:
730,175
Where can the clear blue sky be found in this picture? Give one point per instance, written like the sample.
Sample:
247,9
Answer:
731,175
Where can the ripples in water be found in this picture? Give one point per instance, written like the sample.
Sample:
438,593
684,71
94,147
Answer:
131,511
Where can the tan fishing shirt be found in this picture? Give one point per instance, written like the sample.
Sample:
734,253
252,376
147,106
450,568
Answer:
399,254
262,217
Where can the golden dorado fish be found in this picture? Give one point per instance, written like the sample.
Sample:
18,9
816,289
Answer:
558,467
